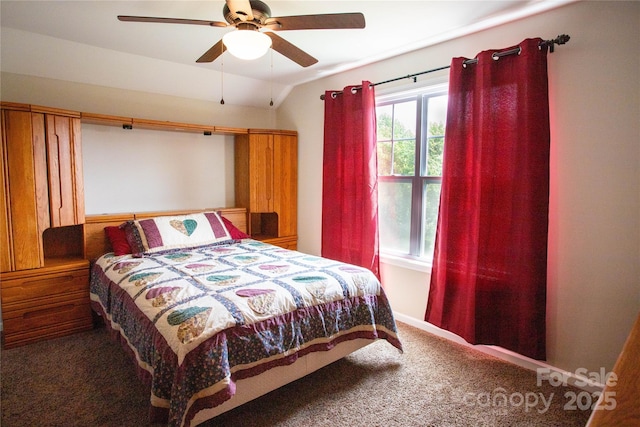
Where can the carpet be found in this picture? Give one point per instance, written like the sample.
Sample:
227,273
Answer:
87,380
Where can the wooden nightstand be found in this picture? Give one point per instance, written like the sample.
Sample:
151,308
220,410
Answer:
288,242
46,302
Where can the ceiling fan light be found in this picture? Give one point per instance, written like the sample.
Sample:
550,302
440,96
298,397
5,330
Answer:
247,44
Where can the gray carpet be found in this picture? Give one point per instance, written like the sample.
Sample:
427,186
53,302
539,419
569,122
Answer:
87,380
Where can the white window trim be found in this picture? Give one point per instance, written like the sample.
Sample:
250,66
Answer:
410,263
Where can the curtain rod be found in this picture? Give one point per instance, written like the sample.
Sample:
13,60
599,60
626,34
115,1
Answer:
561,39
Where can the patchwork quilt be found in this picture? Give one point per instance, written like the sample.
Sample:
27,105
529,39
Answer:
196,320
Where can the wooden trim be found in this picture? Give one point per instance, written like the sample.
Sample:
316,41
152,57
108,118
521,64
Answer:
57,265
103,119
172,126
38,109
56,111
274,131
14,106
231,131
95,241
135,123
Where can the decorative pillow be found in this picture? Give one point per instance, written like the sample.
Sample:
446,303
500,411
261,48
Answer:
147,236
233,230
133,238
118,239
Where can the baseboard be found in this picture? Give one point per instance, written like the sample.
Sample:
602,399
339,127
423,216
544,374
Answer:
571,378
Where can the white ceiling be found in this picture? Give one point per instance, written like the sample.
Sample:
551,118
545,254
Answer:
83,41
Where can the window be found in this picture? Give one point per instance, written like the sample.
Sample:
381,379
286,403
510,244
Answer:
410,147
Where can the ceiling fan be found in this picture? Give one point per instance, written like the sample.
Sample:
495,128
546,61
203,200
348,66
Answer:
252,16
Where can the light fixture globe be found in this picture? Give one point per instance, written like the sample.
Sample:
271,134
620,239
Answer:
247,43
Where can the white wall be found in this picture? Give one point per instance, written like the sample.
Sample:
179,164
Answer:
150,170
594,247
129,103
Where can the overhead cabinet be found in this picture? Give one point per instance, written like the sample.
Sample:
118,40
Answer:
42,181
266,174
21,246
64,167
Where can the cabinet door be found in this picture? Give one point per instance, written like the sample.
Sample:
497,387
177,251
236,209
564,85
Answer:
285,183
5,238
261,173
22,205
66,190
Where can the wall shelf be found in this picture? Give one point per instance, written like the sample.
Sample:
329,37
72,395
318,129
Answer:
137,123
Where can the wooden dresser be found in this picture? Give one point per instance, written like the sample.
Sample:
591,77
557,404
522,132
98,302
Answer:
46,302
44,276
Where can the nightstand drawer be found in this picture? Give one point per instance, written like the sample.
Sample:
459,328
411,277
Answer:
45,303
44,287
50,315
288,242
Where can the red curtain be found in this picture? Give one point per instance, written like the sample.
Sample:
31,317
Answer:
350,178
488,282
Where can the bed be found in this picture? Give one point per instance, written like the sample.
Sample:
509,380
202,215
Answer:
213,318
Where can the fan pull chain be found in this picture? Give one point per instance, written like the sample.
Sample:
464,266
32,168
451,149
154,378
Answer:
271,83
222,78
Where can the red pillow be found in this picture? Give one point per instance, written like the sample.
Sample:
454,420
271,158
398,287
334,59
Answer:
235,233
118,240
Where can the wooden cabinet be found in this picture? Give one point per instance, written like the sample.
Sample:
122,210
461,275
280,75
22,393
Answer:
45,303
64,167
21,245
266,175
44,281
41,181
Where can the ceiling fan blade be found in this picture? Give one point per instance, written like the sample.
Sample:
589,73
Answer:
215,51
290,51
316,22
171,20
242,8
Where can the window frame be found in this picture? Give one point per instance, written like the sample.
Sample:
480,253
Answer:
415,258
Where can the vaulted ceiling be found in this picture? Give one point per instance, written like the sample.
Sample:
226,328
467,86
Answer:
84,41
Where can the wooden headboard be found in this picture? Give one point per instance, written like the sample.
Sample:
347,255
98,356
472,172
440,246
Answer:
97,244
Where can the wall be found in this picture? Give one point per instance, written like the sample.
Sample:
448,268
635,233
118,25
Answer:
594,247
129,103
150,170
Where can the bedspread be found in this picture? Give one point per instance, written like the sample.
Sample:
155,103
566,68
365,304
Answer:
197,320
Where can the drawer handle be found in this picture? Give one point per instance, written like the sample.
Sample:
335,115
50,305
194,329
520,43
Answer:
48,311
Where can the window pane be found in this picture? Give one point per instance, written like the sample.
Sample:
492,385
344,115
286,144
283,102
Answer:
394,210
404,155
383,117
430,217
437,116
404,120
384,158
434,156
